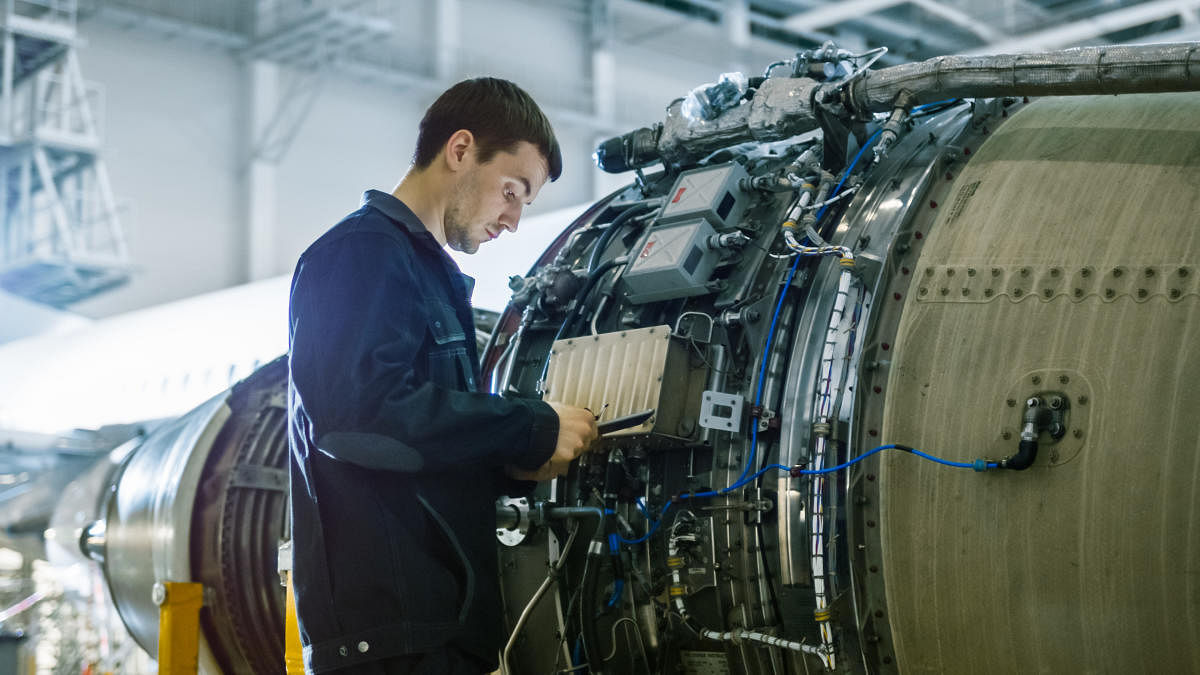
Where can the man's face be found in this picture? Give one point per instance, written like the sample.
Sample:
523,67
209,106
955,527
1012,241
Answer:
489,198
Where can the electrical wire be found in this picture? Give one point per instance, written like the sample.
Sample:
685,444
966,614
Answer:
551,576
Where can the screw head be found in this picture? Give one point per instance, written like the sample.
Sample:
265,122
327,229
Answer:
1037,379
1012,402
1083,400
1006,435
1078,433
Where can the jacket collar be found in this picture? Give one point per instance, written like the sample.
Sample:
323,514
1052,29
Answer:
399,212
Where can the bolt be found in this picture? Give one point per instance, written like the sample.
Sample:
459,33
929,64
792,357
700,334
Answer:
870,523
1036,379
1047,292
929,271
1079,292
1175,293
1017,292
918,236
1085,272
896,296
1012,402
1182,271
872,432
1117,272
949,271
1142,293
1006,435
885,346
1055,272
877,389
970,271
870,476
966,291
1083,400
988,292
1149,272
1054,456
1056,429
1056,403
1078,433
1108,293
923,291
1063,379
1024,271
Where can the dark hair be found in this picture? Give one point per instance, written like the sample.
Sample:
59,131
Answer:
497,112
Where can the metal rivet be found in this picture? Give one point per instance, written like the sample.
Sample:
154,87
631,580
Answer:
995,271
1108,292
1024,271
363,646
929,271
1142,292
949,271
1079,292
1183,271
966,291
923,291
1063,379
1149,272
1012,402
870,523
1036,379
988,292
1055,272
944,291
870,476
1017,292
1006,435
1083,400
1078,433
1117,272
970,271
1175,293
1047,292
1085,272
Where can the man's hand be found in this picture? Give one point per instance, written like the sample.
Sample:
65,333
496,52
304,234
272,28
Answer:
576,433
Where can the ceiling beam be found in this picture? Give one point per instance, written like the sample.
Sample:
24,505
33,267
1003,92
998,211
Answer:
1091,28
833,13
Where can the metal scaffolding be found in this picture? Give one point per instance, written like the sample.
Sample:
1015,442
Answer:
62,239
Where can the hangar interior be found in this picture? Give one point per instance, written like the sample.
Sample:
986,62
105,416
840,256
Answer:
994,261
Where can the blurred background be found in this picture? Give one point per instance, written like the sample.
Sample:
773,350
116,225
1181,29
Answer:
164,162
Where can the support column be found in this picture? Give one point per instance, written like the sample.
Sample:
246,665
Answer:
261,173
447,18
737,25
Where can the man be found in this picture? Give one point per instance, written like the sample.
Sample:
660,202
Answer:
397,457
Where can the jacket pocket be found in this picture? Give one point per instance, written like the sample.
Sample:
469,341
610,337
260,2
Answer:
468,570
449,363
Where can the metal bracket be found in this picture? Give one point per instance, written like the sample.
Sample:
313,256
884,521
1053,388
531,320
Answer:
720,411
256,477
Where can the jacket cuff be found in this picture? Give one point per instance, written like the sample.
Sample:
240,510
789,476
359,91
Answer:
543,436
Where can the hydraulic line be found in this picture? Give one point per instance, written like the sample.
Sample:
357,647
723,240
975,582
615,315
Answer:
613,228
551,577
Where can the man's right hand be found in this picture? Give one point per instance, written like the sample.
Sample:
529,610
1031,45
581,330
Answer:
576,433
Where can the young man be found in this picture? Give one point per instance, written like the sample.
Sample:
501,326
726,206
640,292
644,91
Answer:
397,457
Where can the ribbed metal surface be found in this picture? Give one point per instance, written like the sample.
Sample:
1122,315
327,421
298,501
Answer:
623,371
1086,209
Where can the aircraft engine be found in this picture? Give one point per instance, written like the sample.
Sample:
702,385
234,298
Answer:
922,376
1011,289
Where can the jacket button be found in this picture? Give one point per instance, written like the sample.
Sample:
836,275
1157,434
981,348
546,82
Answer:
363,646
343,651
437,324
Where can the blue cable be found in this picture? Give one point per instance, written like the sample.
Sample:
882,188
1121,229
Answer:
977,465
618,587
923,106
762,370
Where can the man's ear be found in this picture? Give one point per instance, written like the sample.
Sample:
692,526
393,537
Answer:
459,149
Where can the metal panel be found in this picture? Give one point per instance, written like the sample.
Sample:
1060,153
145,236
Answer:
1083,563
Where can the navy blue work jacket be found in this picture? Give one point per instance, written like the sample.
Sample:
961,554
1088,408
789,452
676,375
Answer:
396,456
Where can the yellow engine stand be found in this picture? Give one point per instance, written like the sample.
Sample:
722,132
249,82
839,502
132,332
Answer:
179,606
293,653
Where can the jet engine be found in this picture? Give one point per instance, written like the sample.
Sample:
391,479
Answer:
919,357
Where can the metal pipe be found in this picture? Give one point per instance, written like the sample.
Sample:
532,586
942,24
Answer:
1113,69
784,107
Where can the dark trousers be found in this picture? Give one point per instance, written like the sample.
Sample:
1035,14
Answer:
445,661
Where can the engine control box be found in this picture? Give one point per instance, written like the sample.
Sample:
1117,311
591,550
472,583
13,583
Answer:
713,193
672,261
626,372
